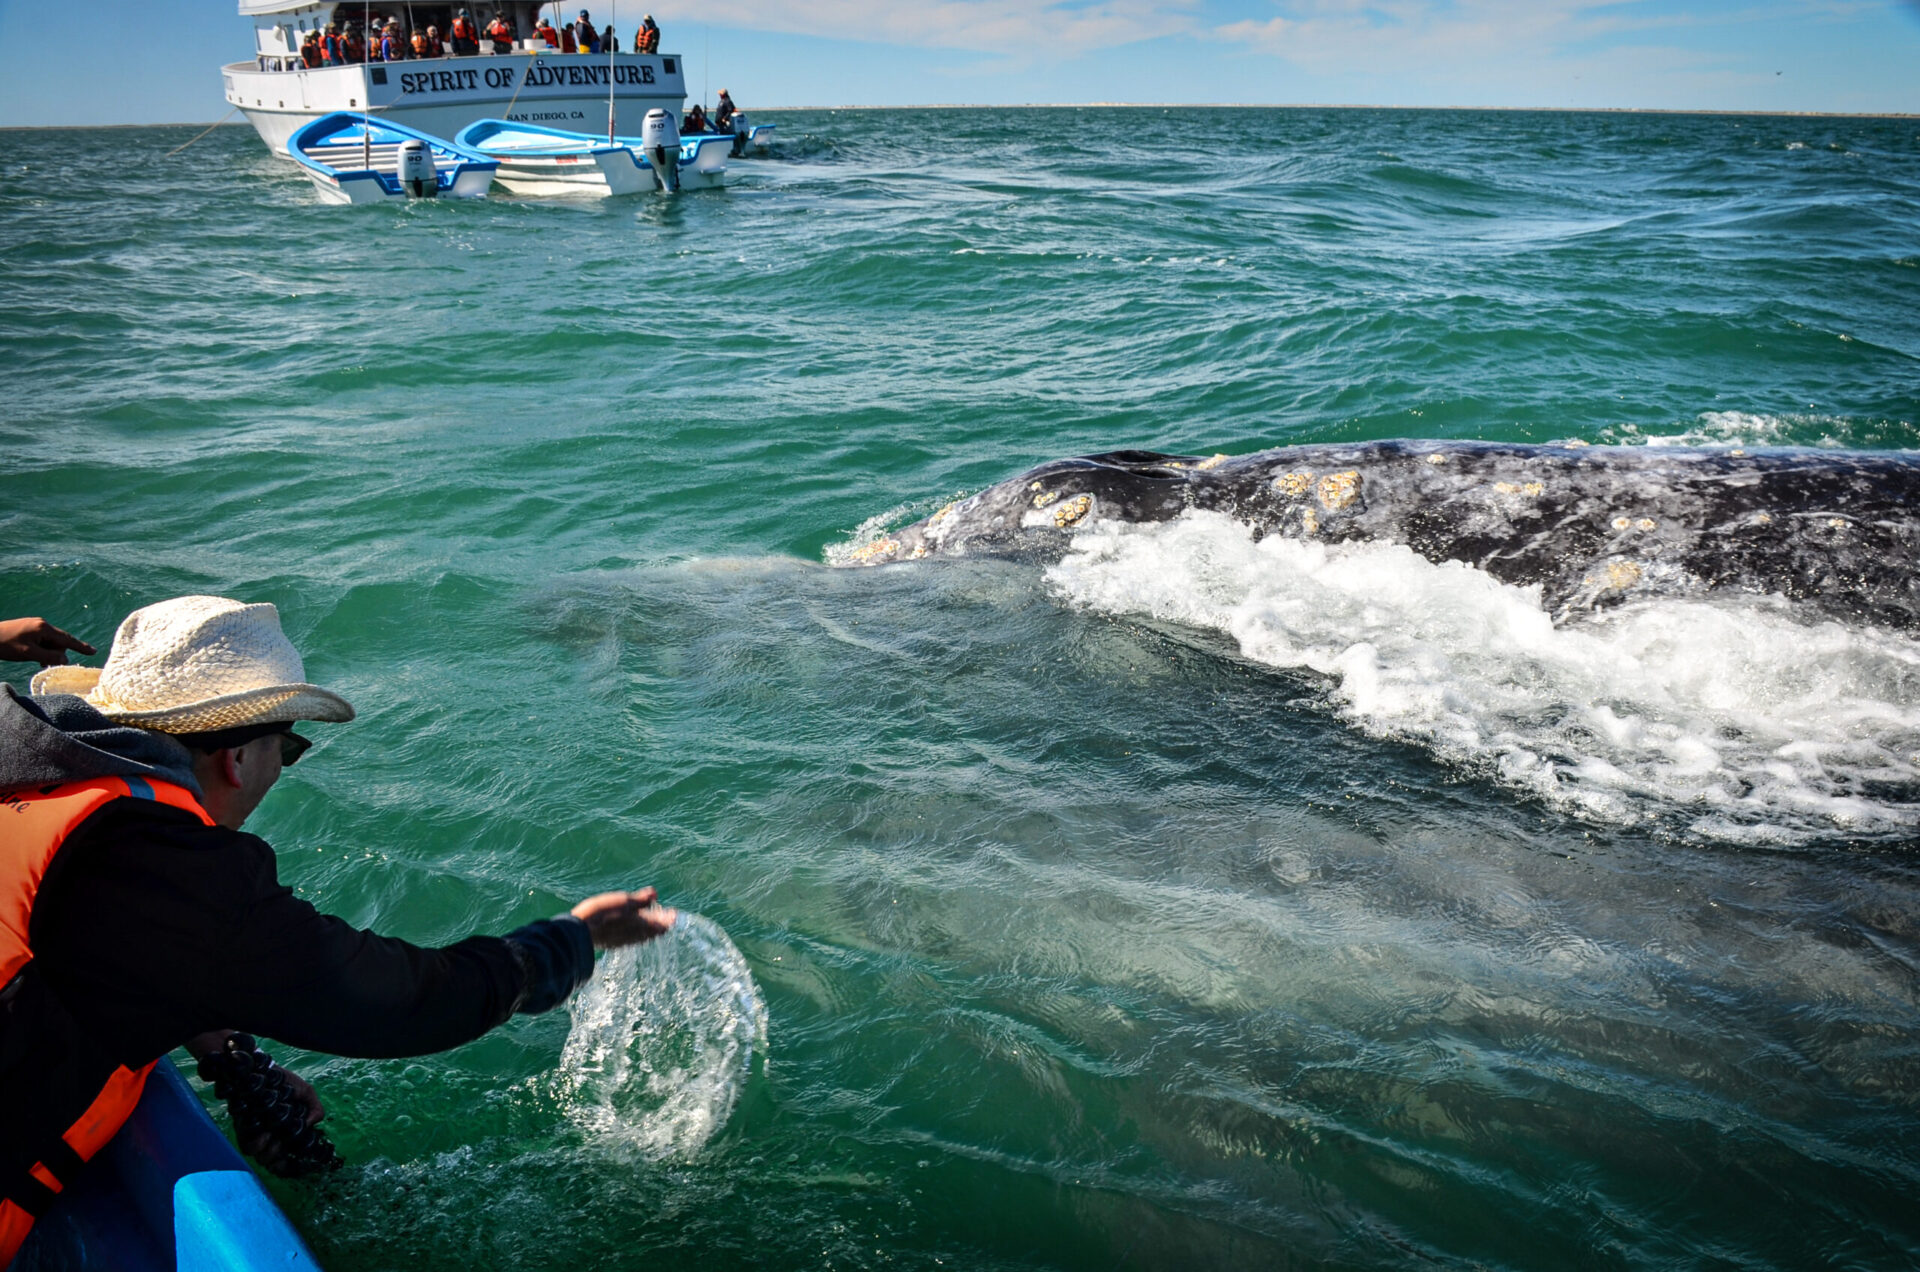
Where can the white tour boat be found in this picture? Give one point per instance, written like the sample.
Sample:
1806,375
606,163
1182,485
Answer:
537,160
439,96
354,159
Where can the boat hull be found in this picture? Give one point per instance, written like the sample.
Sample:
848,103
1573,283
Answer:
440,96
362,187
615,172
167,1192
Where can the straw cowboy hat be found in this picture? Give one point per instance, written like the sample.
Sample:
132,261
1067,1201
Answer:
197,664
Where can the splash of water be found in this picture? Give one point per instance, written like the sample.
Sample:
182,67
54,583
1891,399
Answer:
1732,712
663,1041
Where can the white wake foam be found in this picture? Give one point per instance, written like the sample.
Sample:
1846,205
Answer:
1747,719
663,1041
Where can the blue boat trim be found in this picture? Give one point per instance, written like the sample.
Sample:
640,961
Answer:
477,134
169,1193
224,1219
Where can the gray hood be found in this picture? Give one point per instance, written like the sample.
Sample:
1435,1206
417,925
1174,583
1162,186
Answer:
59,738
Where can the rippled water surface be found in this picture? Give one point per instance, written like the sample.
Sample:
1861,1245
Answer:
1188,904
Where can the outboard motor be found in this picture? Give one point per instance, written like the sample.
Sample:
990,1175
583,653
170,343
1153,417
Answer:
415,170
660,139
740,133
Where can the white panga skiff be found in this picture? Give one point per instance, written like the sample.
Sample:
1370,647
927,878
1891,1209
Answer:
536,160
353,159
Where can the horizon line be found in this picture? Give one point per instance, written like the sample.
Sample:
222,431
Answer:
1567,110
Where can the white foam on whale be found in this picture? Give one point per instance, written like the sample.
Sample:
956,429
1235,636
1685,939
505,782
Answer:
1745,718
663,1042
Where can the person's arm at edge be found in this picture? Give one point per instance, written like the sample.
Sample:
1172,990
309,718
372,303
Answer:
315,981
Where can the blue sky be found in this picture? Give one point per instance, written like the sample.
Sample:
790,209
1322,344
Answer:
124,62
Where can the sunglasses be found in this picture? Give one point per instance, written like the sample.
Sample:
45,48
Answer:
292,747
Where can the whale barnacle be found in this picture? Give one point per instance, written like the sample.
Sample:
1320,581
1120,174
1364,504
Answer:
1309,522
1619,576
1622,523
944,513
1337,490
878,550
1208,465
1436,458
1836,523
1531,489
919,551
1072,510
1294,484
1045,497
1645,523
1034,486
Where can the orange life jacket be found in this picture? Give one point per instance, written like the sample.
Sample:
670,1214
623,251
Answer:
33,826
463,30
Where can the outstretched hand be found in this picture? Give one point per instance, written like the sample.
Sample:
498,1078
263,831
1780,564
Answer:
37,640
624,918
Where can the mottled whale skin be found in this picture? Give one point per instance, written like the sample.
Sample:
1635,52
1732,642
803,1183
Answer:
1591,525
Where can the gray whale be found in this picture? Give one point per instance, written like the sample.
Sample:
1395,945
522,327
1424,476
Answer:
1836,531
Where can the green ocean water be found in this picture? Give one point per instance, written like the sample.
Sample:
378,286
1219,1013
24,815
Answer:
1092,928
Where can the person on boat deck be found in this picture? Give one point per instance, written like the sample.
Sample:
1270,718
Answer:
464,35
392,49
585,37
501,32
136,917
609,42
696,120
648,39
723,113
310,50
546,34
422,42
354,48
332,47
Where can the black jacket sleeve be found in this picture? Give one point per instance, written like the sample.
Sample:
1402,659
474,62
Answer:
153,928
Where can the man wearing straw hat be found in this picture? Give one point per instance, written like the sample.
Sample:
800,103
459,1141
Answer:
135,917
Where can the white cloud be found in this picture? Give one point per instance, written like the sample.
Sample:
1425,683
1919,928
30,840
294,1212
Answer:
1427,36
